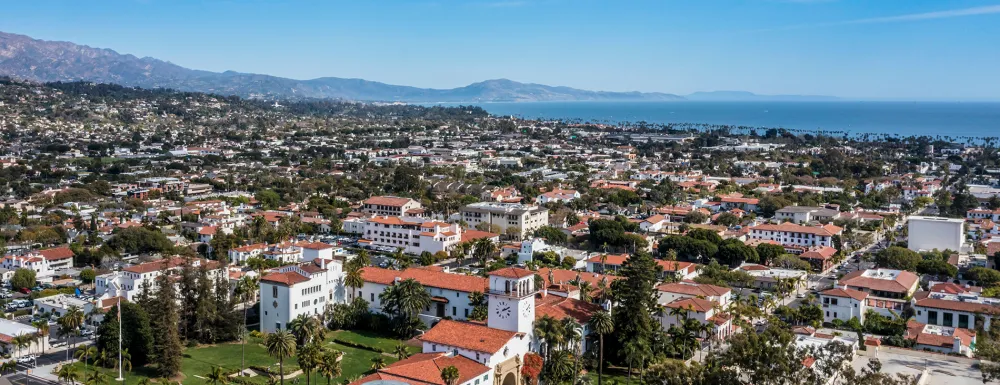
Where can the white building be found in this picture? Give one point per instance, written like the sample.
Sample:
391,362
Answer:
959,310
525,218
294,290
557,195
412,234
929,233
790,234
450,292
132,280
36,263
887,289
843,304
806,214
10,329
389,206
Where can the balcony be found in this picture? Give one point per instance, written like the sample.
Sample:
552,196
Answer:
511,293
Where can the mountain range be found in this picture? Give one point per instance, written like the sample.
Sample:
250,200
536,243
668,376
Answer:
26,58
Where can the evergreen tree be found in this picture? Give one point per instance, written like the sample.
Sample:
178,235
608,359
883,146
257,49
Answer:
205,313
636,301
165,318
227,319
188,287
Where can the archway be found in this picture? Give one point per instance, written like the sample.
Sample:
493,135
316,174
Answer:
509,379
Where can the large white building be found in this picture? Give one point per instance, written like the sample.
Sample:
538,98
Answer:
789,234
525,218
301,289
450,292
412,234
390,206
843,304
887,289
132,280
929,233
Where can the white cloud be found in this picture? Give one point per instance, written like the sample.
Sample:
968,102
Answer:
975,11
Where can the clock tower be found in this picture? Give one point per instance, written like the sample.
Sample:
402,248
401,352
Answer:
512,300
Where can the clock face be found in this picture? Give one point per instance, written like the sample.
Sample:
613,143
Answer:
503,309
527,309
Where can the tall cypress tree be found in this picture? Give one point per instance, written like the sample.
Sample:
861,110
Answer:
188,287
635,298
205,312
167,348
227,321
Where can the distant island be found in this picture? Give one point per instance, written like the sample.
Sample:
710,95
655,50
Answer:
22,57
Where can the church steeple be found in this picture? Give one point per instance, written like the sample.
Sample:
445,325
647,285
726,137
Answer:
512,299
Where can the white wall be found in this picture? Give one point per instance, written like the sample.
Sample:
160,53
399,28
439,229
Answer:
928,233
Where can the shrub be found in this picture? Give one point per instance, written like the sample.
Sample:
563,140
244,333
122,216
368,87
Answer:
358,345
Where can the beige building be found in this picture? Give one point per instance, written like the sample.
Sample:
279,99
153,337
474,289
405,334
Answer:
526,218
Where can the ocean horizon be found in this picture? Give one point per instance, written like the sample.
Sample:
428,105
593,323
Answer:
955,119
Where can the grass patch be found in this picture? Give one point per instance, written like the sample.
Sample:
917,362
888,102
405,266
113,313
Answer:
368,338
199,360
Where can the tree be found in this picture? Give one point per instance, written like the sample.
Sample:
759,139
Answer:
97,377
268,199
898,258
767,252
450,375
88,275
309,359
167,349
636,302
404,300
695,217
68,373
601,324
480,306
688,248
937,267
426,258
71,322
551,234
727,219
378,362
84,354
986,277
43,330
705,235
329,364
789,261
280,345
217,376
23,279
734,252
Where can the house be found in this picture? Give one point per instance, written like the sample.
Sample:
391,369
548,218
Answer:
887,289
135,279
654,224
736,201
677,312
557,195
820,257
960,310
557,282
606,263
806,214
843,304
672,291
58,257
941,339
10,329
299,289
768,278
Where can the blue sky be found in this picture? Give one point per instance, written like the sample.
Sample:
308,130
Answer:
907,49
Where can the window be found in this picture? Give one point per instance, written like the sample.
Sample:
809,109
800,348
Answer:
963,321
454,311
932,317
277,325
373,297
833,301
274,291
947,319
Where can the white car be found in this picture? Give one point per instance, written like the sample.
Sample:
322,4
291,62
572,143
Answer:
26,359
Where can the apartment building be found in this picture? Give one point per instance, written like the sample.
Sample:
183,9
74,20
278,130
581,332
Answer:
993,215
959,310
843,304
705,311
33,262
887,289
790,234
301,289
611,263
392,206
524,218
412,234
132,280
450,292
672,291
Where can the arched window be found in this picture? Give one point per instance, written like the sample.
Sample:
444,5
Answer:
507,287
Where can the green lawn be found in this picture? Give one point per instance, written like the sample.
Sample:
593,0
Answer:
371,339
198,361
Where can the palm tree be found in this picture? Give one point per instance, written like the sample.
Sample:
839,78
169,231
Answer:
450,375
217,376
84,354
166,381
145,381
378,362
248,287
573,334
353,278
586,289
102,359
97,377
329,364
22,341
43,331
68,373
401,352
402,261
72,320
309,358
601,324
126,361
65,332
562,366
280,345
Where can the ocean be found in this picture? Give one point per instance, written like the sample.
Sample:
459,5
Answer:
955,119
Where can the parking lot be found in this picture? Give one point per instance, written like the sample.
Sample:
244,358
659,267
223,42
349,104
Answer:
942,370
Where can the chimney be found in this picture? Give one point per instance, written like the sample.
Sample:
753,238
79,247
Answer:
956,345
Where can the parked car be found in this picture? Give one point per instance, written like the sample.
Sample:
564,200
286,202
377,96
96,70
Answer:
26,359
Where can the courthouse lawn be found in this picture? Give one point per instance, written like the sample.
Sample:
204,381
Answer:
368,338
199,360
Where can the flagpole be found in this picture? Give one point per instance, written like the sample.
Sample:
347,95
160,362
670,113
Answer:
120,363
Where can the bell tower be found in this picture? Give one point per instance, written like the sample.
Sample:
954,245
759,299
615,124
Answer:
512,299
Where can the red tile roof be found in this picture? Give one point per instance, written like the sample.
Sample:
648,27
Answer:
469,235
468,336
825,231
387,201
561,307
314,245
425,369
915,331
512,272
901,284
288,279
846,293
693,304
694,289
56,254
426,277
